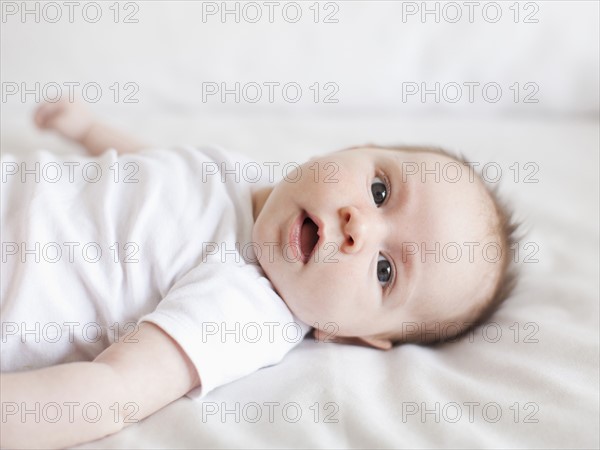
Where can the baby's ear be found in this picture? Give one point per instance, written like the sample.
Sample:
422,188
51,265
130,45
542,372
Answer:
380,343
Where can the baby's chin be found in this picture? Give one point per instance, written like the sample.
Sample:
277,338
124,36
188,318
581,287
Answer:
297,306
319,317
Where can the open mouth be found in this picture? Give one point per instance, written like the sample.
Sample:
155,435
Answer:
309,236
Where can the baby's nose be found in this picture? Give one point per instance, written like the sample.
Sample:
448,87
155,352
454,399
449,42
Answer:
354,229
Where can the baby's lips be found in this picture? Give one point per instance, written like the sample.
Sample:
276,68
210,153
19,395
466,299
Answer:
320,232
320,226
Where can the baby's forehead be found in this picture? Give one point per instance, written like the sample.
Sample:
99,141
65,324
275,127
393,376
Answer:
450,213
409,155
434,195
434,184
440,172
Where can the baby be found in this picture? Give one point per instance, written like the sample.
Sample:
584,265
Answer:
368,245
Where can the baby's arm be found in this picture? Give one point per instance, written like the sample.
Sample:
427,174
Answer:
74,122
128,381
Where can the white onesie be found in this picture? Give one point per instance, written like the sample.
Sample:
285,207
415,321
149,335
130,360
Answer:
91,247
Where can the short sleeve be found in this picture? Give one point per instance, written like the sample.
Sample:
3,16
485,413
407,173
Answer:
228,320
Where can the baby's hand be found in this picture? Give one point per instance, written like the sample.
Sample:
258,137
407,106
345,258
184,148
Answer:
70,120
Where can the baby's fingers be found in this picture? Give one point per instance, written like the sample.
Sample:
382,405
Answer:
45,112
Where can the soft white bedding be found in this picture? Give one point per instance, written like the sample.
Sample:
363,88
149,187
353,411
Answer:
546,390
367,398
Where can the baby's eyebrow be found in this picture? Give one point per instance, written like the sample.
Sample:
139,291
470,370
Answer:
403,282
402,197
402,185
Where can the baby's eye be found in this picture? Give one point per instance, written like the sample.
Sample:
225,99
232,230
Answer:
384,270
379,189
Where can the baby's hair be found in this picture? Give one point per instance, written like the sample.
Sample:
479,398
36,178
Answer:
507,229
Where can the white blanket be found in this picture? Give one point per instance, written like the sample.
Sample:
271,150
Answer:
536,385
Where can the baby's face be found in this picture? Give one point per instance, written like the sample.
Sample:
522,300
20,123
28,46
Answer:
370,271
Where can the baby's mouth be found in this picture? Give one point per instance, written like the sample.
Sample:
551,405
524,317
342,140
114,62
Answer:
309,236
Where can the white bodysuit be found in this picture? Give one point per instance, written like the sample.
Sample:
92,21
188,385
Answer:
91,247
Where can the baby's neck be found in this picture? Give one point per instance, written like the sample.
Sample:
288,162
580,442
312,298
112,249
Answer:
259,198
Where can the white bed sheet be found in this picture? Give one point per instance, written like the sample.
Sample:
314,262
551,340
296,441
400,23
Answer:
370,393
